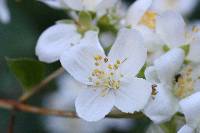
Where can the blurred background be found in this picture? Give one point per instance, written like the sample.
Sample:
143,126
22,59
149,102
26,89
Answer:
18,39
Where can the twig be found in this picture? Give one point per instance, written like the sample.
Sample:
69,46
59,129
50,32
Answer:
11,104
39,86
11,122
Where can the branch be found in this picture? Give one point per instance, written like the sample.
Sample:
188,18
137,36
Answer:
11,104
39,86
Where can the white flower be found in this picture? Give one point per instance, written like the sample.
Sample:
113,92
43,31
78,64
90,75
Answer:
163,105
190,107
4,12
184,7
55,40
63,99
110,79
174,82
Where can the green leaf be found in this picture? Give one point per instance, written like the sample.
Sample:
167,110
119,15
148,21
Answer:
142,71
29,72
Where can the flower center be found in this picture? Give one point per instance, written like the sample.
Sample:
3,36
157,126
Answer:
105,74
149,19
184,85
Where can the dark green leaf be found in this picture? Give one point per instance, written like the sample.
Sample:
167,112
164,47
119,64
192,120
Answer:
29,72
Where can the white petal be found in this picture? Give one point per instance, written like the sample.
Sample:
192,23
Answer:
55,40
194,54
133,95
79,61
151,74
129,48
151,40
163,106
104,5
136,11
186,7
4,12
74,4
92,106
185,129
168,65
91,5
53,3
171,28
191,109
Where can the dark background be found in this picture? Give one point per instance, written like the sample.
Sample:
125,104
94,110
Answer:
18,39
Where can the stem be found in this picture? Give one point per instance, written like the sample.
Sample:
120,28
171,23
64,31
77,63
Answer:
39,86
11,104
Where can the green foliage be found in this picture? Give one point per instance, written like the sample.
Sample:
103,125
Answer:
142,71
29,72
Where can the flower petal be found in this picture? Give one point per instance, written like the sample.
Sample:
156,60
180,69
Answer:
74,4
104,5
185,129
163,106
151,74
79,61
151,40
136,11
92,106
194,54
130,49
191,109
133,95
55,40
4,12
170,26
52,3
169,64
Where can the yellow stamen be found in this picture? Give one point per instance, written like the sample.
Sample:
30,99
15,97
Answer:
149,19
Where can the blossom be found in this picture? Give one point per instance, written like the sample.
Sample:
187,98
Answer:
190,106
63,99
4,12
174,83
163,105
110,79
55,40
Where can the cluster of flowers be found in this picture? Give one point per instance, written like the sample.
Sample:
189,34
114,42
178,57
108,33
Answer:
152,66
